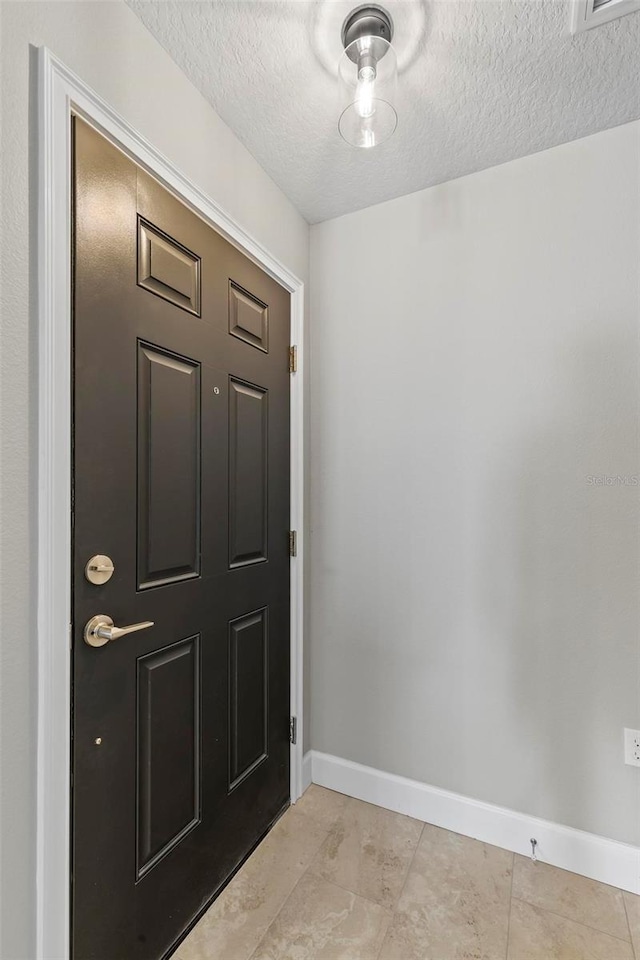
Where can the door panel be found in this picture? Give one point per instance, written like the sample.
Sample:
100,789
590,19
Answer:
248,497
181,477
248,694
168,269
168,749
248,317
168,499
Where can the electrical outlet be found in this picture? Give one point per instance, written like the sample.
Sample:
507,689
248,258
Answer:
632,747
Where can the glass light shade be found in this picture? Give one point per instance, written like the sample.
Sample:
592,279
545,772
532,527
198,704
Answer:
367,73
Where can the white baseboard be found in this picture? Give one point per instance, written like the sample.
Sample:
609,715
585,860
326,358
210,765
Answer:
585,853
306,770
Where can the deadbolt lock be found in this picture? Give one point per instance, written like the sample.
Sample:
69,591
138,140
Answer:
99,569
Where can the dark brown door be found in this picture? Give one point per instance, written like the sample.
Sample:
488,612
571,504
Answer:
181,479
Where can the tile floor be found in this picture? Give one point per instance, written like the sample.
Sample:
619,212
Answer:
338,879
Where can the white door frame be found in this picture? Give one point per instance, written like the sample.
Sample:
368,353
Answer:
61,93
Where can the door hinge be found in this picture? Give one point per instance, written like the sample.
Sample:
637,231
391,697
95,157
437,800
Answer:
293,729
293,543
293,359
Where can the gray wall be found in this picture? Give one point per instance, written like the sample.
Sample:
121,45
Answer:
109,48
474,604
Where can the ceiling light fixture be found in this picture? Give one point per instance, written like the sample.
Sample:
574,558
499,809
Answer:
368,72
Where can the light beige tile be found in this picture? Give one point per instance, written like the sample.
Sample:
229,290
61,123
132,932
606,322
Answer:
368,851
234,925
323,805
537,934
572,896
455,903
324,922
632,904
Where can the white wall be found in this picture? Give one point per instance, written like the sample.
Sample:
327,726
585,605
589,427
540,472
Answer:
474,608
108,47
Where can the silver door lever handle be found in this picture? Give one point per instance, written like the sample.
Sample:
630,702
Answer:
100,630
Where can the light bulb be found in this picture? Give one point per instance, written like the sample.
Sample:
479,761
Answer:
365,97
367,72
365,92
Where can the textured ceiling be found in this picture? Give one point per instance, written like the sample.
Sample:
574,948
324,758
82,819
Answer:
480,82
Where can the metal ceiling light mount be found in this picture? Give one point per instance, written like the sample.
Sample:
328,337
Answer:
368,72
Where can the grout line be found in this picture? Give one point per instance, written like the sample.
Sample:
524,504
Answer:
398,898
384,939
304,872
277,914
406,876
560,916
360,896
633,946
308,870
513,870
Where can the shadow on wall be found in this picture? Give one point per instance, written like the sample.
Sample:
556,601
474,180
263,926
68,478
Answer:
567,614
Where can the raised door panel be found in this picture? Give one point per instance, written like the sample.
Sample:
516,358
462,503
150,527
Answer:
168,467
248,673
168,749
248,426
248,317
168,269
